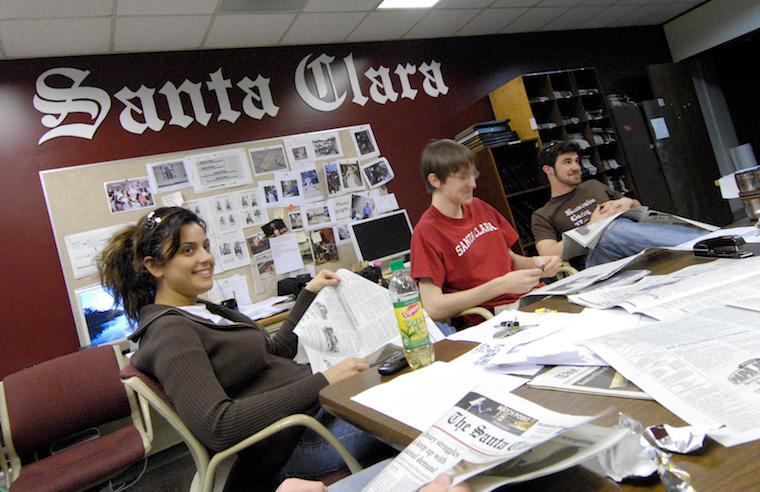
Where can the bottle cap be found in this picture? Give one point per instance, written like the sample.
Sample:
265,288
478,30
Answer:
397,265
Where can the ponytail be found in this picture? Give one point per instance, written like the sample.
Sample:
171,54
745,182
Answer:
120,265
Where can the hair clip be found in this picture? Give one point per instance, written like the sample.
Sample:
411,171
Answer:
152,221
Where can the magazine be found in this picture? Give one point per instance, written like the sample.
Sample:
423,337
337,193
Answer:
491,439
353,319
579,241
597,380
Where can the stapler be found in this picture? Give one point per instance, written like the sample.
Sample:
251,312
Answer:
722,247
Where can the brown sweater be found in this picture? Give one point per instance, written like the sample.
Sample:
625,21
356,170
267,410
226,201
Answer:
226,382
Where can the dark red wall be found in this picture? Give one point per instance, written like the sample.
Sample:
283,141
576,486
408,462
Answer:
36,320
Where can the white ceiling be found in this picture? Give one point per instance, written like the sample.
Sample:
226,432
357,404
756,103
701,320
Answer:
46,28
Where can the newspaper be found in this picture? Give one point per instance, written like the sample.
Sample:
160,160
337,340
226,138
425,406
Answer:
487,428
353,319
579,241
704,367
596,380
588,277
689,290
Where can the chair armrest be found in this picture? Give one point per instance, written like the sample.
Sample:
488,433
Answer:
283,423
480,311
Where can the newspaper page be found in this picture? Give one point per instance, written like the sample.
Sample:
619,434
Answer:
596,380
586,278
578,241
353,319
485,428
686,291
704,367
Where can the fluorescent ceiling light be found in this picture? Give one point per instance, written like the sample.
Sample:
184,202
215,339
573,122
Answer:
406,4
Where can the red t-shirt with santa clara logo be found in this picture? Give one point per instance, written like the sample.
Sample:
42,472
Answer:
459,254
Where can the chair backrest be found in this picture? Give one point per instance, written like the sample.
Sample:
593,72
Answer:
58,398
152,395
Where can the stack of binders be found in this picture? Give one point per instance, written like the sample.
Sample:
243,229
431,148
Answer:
487,134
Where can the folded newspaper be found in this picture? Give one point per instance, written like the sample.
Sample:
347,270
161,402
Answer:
596,380
353,319
492,438
579,241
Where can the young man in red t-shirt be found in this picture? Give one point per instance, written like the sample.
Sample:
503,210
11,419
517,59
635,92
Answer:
461,247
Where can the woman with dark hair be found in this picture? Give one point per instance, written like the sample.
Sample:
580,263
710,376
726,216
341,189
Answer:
226,377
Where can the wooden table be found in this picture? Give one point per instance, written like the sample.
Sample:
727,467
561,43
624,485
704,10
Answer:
714,468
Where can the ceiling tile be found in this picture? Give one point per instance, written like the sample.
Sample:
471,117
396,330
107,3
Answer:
650,14
670,12
607,17
36,9
599,2
490,21
573,18
321,28
462,4
389,24
341,5
557,3
232,31
637,16
441,23
165,7
168,33
514,3
534,19
63,37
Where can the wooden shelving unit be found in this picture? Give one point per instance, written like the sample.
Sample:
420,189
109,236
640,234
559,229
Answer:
566,105
511,182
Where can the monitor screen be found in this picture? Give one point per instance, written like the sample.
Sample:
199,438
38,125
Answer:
382,237
98,320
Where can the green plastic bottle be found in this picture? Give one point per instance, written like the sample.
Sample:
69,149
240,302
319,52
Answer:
411,320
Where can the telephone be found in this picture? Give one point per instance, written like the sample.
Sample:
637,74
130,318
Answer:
722,247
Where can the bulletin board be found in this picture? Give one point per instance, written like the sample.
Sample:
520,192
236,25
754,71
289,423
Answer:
315,182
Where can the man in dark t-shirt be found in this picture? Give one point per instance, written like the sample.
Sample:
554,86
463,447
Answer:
574,203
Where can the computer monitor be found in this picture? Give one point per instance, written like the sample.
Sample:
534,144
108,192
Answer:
98,321
382,237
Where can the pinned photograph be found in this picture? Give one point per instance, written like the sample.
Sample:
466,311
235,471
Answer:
364,141
312,190
232,250
299,150
342,234
323,245
224,213
264,275
350,177
268,160
377,173
317,215
258,243
290,192
326,145
362,207
168,176
129,194
250,203
304,246
271,191
296,220
332,178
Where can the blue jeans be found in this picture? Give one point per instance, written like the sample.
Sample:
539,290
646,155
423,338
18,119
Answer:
625,237
313,457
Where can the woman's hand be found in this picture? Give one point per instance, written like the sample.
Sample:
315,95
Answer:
323,279
345,369
298,485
